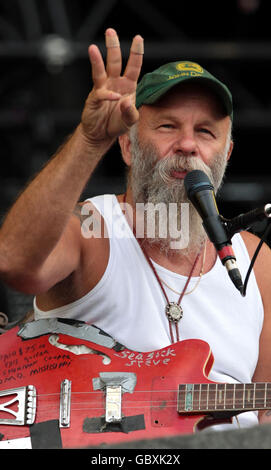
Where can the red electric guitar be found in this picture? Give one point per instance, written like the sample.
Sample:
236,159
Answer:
68,384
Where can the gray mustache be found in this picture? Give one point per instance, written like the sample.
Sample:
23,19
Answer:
178,163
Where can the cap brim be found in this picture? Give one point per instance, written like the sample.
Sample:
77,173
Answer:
217,87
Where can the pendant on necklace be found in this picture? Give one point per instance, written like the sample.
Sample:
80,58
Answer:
174,312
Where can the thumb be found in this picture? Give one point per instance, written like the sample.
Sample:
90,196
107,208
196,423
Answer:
129,113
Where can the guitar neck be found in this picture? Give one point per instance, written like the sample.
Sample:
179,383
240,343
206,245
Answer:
212,397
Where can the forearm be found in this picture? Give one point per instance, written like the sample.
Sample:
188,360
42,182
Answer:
264,417
38,218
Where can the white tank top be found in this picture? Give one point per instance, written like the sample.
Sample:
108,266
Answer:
128,304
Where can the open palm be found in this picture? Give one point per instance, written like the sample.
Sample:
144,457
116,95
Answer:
110,107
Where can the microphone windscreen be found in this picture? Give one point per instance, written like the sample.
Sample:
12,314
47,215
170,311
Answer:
196,180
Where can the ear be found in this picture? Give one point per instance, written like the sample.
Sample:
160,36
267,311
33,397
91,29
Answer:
125,145
230,150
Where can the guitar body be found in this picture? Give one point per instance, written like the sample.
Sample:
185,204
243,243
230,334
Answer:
149,383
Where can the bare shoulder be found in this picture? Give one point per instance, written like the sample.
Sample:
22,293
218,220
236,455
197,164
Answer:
91,221
93,234
83,209
252,242
87,228
262,270
262,266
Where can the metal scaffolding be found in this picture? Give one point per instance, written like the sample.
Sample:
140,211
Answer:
46,73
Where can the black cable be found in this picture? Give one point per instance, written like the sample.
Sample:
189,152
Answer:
263,239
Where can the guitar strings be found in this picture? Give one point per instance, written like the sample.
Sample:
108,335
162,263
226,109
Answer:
210,391
199,401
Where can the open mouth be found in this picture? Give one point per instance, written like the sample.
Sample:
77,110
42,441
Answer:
179,174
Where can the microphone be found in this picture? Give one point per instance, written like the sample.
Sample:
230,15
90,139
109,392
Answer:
200,191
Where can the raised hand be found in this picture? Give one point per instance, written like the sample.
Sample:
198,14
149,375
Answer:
110,107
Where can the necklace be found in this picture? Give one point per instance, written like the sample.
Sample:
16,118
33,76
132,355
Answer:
173,310
196,284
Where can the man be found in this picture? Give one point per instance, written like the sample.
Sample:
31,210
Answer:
134,288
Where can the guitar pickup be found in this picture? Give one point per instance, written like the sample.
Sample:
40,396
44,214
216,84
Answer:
24,400
113,404
65,404
114,384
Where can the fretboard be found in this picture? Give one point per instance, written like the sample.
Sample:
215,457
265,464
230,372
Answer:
208,397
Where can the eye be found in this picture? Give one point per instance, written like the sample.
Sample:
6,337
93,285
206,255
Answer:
204,130
166,126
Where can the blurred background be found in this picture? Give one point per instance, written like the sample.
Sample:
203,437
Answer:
46,77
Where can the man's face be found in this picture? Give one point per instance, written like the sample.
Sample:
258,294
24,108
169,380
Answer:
184,132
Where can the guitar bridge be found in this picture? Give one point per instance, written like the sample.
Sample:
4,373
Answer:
25,402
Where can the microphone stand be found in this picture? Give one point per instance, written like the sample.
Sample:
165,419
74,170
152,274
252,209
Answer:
244,222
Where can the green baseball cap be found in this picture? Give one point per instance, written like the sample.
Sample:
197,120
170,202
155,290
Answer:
155,84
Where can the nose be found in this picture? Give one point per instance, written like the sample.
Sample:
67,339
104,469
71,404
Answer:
185,145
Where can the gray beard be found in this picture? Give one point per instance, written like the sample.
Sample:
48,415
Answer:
151,182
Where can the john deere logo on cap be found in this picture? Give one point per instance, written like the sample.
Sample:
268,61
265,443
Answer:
189,67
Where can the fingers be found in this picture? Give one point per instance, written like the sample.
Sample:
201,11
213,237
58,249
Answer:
114,60
129,112
110,86
125,119
102,94
135,60
99,75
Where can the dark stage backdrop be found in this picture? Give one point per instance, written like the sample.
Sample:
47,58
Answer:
45,78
